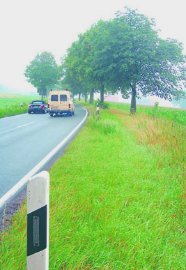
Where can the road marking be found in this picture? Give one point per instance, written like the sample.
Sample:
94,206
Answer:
12,129
25,179
28,124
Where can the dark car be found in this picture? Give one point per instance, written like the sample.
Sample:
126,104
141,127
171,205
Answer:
38,106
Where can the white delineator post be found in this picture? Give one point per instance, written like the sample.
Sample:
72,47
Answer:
38,222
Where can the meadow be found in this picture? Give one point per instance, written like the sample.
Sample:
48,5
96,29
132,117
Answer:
14,104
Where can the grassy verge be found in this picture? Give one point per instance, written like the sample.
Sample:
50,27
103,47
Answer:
14,104
174,115
116,200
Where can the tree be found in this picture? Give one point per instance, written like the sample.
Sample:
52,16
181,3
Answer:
84,66
75,67
144,62
42,72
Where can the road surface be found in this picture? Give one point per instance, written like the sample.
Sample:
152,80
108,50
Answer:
26,139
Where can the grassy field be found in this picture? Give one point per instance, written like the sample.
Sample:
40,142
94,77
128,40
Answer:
175,115
14,104
116,199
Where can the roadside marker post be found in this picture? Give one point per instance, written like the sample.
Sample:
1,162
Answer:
38,222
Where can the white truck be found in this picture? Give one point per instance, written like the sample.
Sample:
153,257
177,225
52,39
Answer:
60,102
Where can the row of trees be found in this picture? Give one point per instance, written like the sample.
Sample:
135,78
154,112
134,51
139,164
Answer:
122,54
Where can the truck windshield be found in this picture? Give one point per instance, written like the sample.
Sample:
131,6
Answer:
54,97
63,97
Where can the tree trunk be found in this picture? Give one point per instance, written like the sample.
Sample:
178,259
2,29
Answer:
86,96
102,93
133,100
79,96
91,96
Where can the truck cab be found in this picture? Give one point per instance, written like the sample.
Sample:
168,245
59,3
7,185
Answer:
60,102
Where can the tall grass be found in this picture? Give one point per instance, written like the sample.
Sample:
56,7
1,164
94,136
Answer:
175,115
116,200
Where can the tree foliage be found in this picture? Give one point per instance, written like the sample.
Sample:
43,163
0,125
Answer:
42,72
126,54
149,65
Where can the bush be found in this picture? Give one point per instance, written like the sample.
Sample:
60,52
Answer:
104,105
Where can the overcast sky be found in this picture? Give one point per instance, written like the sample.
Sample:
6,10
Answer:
28,27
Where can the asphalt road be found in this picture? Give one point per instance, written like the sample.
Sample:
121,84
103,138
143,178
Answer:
26,139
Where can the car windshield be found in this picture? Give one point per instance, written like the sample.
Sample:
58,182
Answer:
37,102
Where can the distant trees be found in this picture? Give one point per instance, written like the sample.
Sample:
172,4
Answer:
125,54
42,72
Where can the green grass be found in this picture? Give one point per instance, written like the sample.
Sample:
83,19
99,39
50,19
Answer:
14,104
115,202
175,115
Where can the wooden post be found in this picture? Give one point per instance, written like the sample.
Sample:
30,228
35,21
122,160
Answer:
38,222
